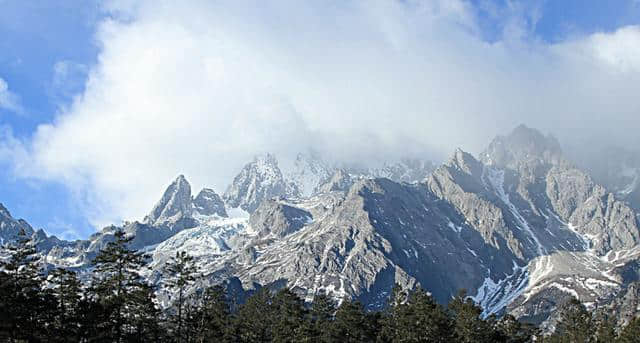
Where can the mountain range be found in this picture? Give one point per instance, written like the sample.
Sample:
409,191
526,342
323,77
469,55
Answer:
520,226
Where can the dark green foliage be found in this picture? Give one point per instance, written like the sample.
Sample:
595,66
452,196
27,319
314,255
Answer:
289,316
67,292
352,324
119,306
254,320
631,333
510,330
24,307
180,272
467,322
416,318
323,308
125,299
213,316
605,329
575,324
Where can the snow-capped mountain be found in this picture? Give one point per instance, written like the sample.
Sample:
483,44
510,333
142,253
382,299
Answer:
617,169
258,180
311,173
521,228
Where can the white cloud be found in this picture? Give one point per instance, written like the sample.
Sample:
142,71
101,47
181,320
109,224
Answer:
8,100
196,87
68,78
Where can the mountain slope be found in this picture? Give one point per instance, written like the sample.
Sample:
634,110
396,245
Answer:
521,228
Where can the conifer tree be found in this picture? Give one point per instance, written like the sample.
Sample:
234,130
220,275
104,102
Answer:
214,316
115,285
575,324
323,308
605,329
290,314
144,315
631,332
67,291
253,321
424,320
351,324
468,324
511,330
21,298
180,272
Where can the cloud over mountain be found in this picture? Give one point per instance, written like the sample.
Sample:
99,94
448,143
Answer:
199,88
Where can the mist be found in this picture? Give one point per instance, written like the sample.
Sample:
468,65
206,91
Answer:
198,88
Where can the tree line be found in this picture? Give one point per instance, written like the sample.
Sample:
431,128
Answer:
116,304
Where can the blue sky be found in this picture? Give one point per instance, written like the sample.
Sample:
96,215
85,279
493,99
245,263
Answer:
48,47
34,37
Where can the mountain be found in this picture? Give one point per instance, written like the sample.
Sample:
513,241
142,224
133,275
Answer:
520,227
209,203
617,169
175,205
10,227
310,173
258,180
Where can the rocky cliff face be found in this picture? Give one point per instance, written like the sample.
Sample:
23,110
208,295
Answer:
259,180
209,203
10,227
174,205
521,228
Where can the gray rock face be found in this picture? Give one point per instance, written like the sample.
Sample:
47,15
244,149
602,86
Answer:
521,228
309,171
406,170
340,181
209,203
278,219
311,174
618,169
10,227
256,182
174,205
523,147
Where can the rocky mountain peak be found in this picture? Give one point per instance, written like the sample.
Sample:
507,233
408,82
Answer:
208,203
464,161
10,227
522,145
174,204
408,170
308,172
339,181
278,219
4,213
258,180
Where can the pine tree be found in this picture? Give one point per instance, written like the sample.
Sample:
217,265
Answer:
605,329
575,324
144,315
116,284
254,319
180,272
511,330
323,308
214,316
426,320
631,332
395,308
21,298
67,290
290,314
468,324
351,324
